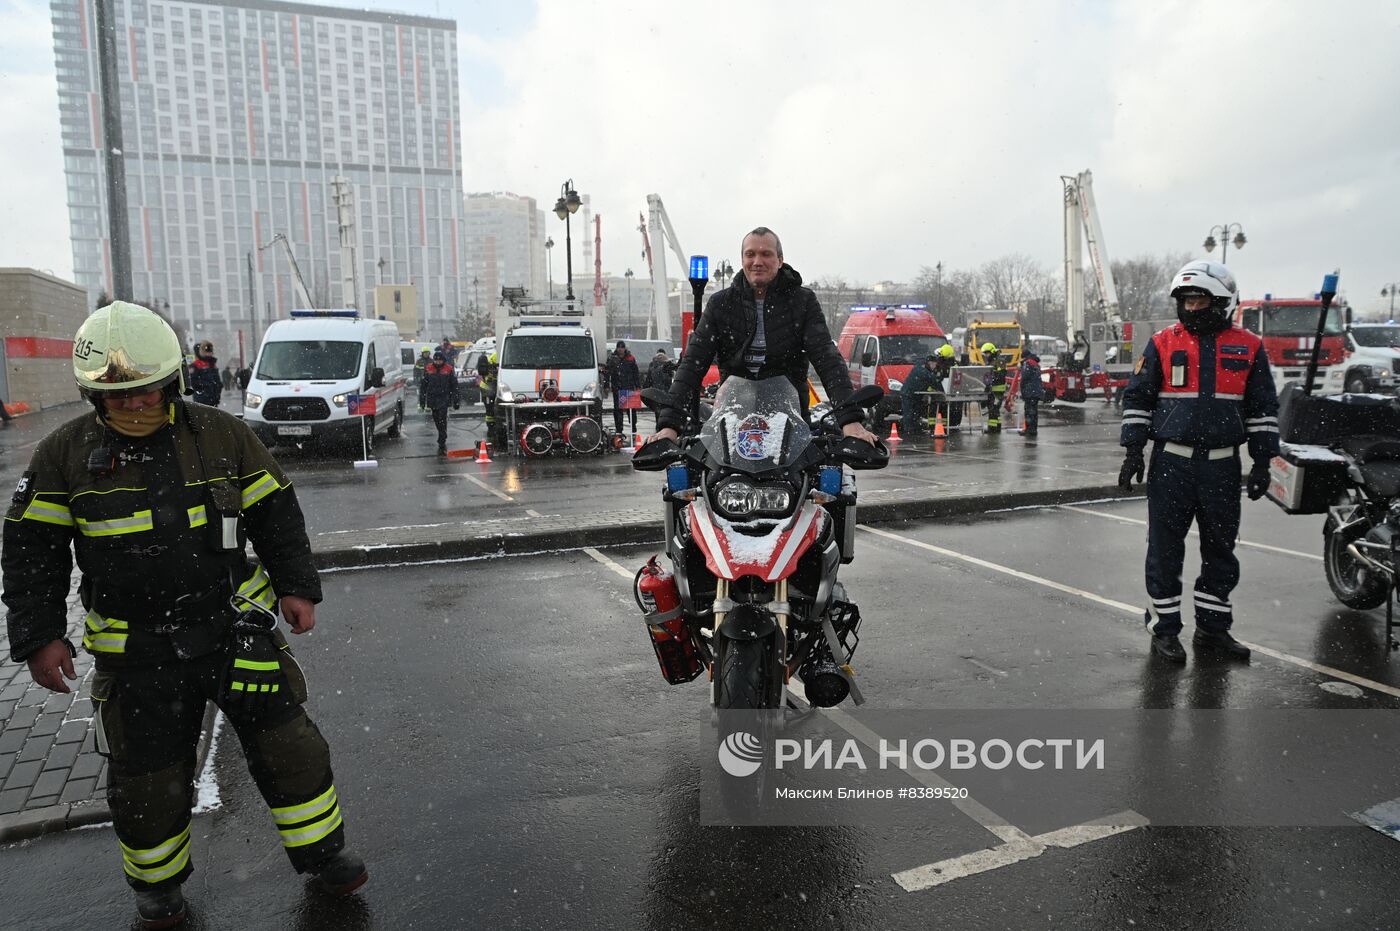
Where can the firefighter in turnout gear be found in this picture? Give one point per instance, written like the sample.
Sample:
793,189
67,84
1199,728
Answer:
487,369
996,386
157,498
1202,389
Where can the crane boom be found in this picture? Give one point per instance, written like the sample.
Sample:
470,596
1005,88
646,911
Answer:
1081,212
298,284
660,225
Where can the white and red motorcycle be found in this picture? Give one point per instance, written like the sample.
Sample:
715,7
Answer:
760,515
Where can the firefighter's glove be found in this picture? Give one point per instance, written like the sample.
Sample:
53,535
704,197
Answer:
254,677
1258,481
1133,469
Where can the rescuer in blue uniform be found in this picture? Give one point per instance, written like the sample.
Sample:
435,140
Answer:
1032,392
1202,388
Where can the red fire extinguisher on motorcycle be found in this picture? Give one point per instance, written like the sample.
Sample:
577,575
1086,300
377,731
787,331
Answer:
660,601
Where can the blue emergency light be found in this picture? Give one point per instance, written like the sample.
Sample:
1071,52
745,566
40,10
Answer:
1329,283
699,268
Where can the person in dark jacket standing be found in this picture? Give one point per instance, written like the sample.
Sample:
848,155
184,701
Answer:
660,374
156,497
1202,388
440,392
1032,392
205,384
623,375
765,324
914,397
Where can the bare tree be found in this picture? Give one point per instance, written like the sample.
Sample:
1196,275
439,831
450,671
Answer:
1010,279
1144,283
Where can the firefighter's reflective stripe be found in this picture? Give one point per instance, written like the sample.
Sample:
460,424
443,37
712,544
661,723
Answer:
49,512
104,634
259,489
160,862
308,822
136,523
240,687
197,516
257,589
259,665
1262,424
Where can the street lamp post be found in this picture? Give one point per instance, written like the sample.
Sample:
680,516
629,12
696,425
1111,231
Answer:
381,264
722,272
1225,240
1390,290
939,302
548,266
628,275
566,206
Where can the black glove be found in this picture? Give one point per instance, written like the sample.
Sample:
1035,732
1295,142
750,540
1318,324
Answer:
1133,468
1258,481
254,677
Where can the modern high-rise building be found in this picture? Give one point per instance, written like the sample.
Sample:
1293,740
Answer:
503,237
236,117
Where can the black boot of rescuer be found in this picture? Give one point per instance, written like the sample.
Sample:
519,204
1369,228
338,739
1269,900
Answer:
162,907
1220,641
342,873
1168,646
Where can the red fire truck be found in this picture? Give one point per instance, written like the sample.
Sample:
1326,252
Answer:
1288,327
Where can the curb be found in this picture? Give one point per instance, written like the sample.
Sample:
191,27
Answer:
613,529
26,825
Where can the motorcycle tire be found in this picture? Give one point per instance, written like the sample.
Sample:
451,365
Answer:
1354,585
744,678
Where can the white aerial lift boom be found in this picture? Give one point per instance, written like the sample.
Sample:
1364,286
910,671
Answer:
1080,211
299,286
660,225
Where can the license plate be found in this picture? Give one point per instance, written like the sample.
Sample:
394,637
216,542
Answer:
293,431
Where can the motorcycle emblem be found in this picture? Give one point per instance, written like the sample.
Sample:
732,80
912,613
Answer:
752,438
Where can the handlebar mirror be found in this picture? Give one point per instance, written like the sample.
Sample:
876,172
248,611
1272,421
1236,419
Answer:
655,398
655,456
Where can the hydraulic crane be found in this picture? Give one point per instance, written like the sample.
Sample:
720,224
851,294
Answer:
660,225
303,296
1068,380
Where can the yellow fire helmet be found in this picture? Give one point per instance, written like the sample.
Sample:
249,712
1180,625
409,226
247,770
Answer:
946,350
123,347
989,348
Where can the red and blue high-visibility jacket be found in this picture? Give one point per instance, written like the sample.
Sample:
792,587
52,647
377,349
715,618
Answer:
1212,390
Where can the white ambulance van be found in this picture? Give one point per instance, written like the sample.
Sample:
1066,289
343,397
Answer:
308,367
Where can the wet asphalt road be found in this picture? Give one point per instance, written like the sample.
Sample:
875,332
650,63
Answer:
508,756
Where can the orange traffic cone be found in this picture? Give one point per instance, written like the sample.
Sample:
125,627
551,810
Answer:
481,455
894,433
938,429
637,444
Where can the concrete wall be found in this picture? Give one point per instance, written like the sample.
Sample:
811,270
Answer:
38,316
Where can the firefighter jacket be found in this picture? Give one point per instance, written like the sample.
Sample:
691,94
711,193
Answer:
439,386
1212,391
997,377
1032,389
158,525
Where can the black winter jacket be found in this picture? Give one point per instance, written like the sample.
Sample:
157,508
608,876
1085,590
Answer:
623,373
795,331
1032,388
660,374
439,386
205,383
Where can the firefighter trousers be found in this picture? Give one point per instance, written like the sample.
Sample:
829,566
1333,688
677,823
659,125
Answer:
1180,490
149,720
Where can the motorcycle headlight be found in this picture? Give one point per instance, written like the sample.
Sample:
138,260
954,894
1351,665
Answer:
253,401
504,393
738,498
896,384
340,400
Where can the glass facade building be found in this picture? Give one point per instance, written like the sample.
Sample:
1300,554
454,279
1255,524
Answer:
236,117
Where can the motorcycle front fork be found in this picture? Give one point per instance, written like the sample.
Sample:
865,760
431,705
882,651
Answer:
781,609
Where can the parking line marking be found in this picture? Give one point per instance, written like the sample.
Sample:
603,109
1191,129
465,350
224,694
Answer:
1143,523
533,513
480,484
1133,611
981,665
615,567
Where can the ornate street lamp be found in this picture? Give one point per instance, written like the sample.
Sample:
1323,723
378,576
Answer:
1224,230
566,206
548,266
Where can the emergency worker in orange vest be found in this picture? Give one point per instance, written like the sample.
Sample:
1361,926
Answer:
1202,389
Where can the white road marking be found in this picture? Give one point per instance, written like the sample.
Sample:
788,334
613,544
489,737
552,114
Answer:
1016,845
485,487
533,513
1132,610
1143,523
614,566
981,665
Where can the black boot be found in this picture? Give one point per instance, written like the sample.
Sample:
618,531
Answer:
342,873
1168,647
161,907
1220,641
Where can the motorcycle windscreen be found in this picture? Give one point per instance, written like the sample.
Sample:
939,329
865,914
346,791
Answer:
757,425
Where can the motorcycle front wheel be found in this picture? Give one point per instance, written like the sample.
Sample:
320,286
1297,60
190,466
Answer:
1354,585
746,676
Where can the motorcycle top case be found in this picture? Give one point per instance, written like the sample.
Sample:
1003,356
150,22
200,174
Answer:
1306,479
1312,420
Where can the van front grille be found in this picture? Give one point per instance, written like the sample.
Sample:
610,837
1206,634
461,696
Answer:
296,409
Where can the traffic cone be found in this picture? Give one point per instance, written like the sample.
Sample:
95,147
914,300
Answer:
637,437
481,455
938,429
894,433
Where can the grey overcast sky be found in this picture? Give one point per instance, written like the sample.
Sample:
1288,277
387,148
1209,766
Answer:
877,137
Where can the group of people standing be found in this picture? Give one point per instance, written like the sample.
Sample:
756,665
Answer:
930,381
